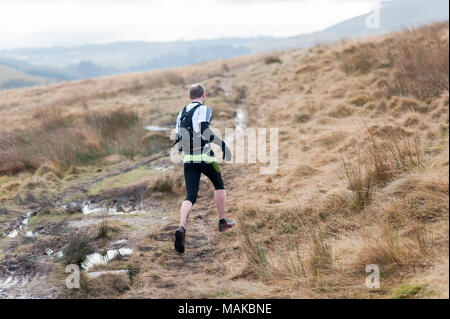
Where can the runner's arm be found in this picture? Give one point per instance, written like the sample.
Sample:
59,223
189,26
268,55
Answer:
209,135
177,131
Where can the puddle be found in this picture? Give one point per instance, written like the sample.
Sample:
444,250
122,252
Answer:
89,208
14,233
72,205
96,274
12,280
26,220
29,286
164,168
92,209
156,128
240,120
99,259
29,234
50,252
120,241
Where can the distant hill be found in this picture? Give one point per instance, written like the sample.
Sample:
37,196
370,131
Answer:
394,16
194,55
126,55
89,61
93,60
11,78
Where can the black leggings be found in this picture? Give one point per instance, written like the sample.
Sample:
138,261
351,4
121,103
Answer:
192,172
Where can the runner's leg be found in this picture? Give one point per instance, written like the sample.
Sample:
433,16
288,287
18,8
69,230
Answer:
220,197
192,180
212,171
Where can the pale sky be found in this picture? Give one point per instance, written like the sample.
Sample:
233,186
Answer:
42,23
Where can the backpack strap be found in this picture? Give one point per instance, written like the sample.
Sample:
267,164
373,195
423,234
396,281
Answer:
194,108
191,112
184,112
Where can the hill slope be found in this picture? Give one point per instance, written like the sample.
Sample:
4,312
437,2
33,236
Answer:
362,178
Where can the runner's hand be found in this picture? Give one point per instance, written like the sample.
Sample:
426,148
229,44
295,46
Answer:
226,153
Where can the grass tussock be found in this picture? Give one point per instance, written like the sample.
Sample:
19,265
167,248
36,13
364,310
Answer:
305,251
384,247
255,253
321,252
101,287
405,234
359,60
78,247
361,181
165,183
422,67
106,231
383,160
290,263
272,59
107,286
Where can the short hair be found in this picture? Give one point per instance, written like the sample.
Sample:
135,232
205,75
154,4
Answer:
196,91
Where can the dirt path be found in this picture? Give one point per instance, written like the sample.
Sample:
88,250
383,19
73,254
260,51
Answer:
201,270
198,272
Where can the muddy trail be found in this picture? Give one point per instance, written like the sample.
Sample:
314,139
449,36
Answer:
33,268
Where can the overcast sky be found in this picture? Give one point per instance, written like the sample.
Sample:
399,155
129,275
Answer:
31,23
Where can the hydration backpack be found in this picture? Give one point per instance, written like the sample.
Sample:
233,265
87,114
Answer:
186,133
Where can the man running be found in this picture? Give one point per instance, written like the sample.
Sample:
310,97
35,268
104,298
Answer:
195,137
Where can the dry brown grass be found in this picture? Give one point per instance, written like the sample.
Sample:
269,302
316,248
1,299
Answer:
419,57
106,230
383,160
359,60
391,206
65,142
163,184
423,63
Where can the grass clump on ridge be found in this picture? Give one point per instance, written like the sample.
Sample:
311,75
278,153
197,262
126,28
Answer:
418,60
384,160
272,59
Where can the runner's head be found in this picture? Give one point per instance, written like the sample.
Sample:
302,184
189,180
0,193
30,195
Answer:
197,93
